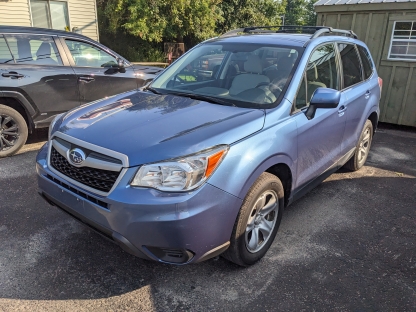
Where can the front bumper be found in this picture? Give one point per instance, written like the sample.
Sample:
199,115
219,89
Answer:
147,222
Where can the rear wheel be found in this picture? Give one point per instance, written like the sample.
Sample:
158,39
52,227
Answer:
362,149
13,131
257,222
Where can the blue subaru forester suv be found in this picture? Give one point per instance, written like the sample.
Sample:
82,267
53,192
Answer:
203,160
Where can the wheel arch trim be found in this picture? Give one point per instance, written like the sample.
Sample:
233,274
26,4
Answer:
22,100
263,167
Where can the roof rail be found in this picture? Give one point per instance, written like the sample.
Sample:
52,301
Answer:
316,31
325,30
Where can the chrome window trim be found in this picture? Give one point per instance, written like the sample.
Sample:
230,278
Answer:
92,147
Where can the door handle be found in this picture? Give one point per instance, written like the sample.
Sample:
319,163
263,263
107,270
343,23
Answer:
367,94
12,75
342,110
86,78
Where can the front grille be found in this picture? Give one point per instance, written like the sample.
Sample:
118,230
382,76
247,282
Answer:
102,180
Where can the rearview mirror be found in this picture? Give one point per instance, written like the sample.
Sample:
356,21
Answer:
323,98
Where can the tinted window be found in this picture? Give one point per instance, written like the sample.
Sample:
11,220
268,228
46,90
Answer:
5,55
350,64
32,49
366,60
321,72
88,55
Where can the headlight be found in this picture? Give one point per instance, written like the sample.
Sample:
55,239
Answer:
182,174
52,125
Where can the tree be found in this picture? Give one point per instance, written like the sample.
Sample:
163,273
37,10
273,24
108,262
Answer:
240,13
158,20
310,14
295,12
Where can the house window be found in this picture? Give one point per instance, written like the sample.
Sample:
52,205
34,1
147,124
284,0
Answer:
50,14
403,42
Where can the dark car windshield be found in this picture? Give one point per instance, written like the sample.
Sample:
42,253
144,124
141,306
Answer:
240,74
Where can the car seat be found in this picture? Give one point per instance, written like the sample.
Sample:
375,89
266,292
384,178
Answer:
43,55
251,78
284,67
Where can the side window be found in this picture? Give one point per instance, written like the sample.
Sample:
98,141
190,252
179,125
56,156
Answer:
350,64
33,49
5,55
321,72
366,60
88,55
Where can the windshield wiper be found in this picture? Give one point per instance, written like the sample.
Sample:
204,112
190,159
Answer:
201,97
152,90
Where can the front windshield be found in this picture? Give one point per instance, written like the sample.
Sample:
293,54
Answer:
241,74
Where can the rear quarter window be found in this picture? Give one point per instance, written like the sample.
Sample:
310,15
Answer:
366,60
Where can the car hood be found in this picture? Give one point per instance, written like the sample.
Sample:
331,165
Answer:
147,127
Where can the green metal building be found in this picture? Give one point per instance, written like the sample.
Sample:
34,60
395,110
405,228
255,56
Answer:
389,30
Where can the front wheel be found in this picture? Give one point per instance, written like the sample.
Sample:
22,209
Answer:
13,131
257,222
362,149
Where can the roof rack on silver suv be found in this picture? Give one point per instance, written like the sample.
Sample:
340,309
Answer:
316,31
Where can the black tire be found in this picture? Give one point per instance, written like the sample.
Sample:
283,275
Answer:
239,251
13,131
358,159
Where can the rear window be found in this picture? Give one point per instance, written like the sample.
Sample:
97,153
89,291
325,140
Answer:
366,60
34,49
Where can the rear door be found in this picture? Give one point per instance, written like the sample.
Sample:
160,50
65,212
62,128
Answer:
356,93
96,72
42,74
320,138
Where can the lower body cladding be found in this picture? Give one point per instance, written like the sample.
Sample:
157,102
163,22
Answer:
167,227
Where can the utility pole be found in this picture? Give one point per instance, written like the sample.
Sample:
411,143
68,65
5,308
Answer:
283,17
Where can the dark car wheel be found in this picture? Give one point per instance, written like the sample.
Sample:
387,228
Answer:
257,222
13,131
362,149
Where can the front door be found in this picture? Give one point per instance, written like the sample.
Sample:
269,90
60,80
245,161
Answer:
41,74
319,139
97,72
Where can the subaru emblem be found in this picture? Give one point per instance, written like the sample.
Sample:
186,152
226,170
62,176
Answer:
76,156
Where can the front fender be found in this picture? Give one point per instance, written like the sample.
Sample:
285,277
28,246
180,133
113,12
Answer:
248,159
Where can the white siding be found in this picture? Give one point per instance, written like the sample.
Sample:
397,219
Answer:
15,13
82,14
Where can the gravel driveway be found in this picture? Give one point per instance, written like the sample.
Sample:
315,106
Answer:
350,244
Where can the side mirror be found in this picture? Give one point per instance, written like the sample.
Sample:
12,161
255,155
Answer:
121,65
323,98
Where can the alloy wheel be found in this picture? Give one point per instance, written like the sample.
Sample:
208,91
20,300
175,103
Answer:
261,221
364,145
9,132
